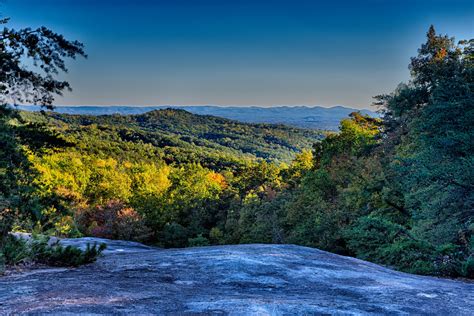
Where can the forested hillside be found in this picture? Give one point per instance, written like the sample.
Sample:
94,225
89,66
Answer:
314,117
166,177
396,190
179,136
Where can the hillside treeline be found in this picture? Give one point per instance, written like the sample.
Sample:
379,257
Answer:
397,191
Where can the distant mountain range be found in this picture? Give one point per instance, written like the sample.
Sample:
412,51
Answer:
299,116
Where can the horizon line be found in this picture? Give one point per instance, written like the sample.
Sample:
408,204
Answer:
210,105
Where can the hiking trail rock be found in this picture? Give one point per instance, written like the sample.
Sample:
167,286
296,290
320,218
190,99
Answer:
254,279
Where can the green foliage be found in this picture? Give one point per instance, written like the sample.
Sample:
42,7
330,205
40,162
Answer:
397,191
19,82
2,263
467,268
216,235
47,50
57,255
38,250
368,235
174,235
15,250
379,240
198,241
18,198
180,137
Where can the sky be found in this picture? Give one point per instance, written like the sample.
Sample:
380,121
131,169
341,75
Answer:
241,53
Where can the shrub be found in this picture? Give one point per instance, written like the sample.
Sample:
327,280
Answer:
368,235
408,255
114,220
2,263
216,236
379,240
198,241
66,227
467,268
39,250
15,250
174,235
57,255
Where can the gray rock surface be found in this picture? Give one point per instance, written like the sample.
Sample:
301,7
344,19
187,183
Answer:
255,279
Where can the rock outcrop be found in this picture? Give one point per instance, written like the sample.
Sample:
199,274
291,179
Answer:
131,278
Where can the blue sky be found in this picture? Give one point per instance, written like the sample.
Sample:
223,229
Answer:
240,52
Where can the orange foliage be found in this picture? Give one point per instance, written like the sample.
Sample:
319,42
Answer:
217,178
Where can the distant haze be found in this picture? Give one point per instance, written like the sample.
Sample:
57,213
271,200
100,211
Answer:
265,52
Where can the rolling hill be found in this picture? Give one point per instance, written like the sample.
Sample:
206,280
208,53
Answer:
298,116
180,136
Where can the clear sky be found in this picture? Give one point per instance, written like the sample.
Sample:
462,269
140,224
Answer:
247,52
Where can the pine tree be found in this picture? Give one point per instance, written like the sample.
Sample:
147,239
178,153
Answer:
48,51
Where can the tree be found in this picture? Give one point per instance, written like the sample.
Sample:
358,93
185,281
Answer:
47,50
427,157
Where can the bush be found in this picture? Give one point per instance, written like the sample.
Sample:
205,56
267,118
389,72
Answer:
38,250
15,250
198,241
174,236
2,263
467,268
216,235
408,255
368,235
57,255
114,220
379,240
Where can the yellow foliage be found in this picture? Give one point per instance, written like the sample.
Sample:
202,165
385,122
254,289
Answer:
64,226
151,179
217,178
101,163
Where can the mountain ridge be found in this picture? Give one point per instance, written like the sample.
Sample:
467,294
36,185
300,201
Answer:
301,116
166,129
